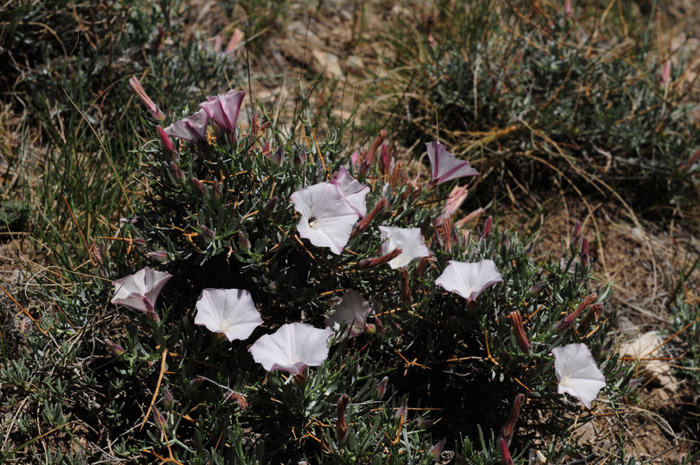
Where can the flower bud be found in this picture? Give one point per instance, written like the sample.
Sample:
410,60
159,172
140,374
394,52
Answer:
115,348
379,325
455,200
159,418
207,234
150,105
520,337
270,205
381,387
405,285
577,235
159,255
300,158
591,316
168,400
374,262
487,227
569,320
385,159
198,187
216,189
402,412
177,173
436,450
585,256
360,227
505,453
278,156
341,426
568,10
509,427
538,288
167,144
243,242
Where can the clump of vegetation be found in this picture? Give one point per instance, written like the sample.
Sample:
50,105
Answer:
535,92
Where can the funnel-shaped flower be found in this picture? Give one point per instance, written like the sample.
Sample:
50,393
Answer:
353,191
140,290
228,311
326,218
292,348
445,167
408,240
224,108
469,280
577,373
193,128
351,312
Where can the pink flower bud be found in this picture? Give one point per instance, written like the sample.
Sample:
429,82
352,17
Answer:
341,426
360,227
436,450
381,387
115,348
177,172
402,412
216,189
385,159
568,10
207,234
198,187
569,320
150,105
167,144
159,255
505,453
509,427
374,262
520,336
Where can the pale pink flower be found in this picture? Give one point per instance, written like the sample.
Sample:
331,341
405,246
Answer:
228,311
410,242
577,373
140,290
350,313
469,280
444,166
193,128
353,191
326,217
223,109
292,348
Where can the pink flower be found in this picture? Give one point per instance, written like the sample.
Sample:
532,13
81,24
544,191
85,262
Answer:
228,311
577,373
469,280
410,242
193,128
150,104
140,290
326,217
455,200
444,166
292,348
223,109
350,313
354,192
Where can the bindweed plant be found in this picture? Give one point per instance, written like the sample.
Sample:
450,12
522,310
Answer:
264,236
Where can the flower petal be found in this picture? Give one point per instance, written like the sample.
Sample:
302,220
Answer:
577,373
228,311
445,166
351,313
353,191
292,348
409,240
469,280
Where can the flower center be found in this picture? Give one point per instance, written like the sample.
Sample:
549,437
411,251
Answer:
225,324
565,380
397,262
313,223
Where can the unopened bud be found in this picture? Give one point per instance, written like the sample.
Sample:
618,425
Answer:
509,427
487,227
381,387
177,173
592,315
538,288
577,234
379,325
115,348
569,320
168,400
520,336
270,204
159,255
402,412
568,10
385,159
198,187
243,242
374,262
167,144
158,417
585,256
216,189
341,426
208,234
278,156
505,453
405,286
436,450
361,226
300,158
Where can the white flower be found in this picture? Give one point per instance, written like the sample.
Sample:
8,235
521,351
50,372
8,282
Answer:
228,311
469,280
292,348
408,240
351,312
326,217
444,166
353,191
140,290
577,373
